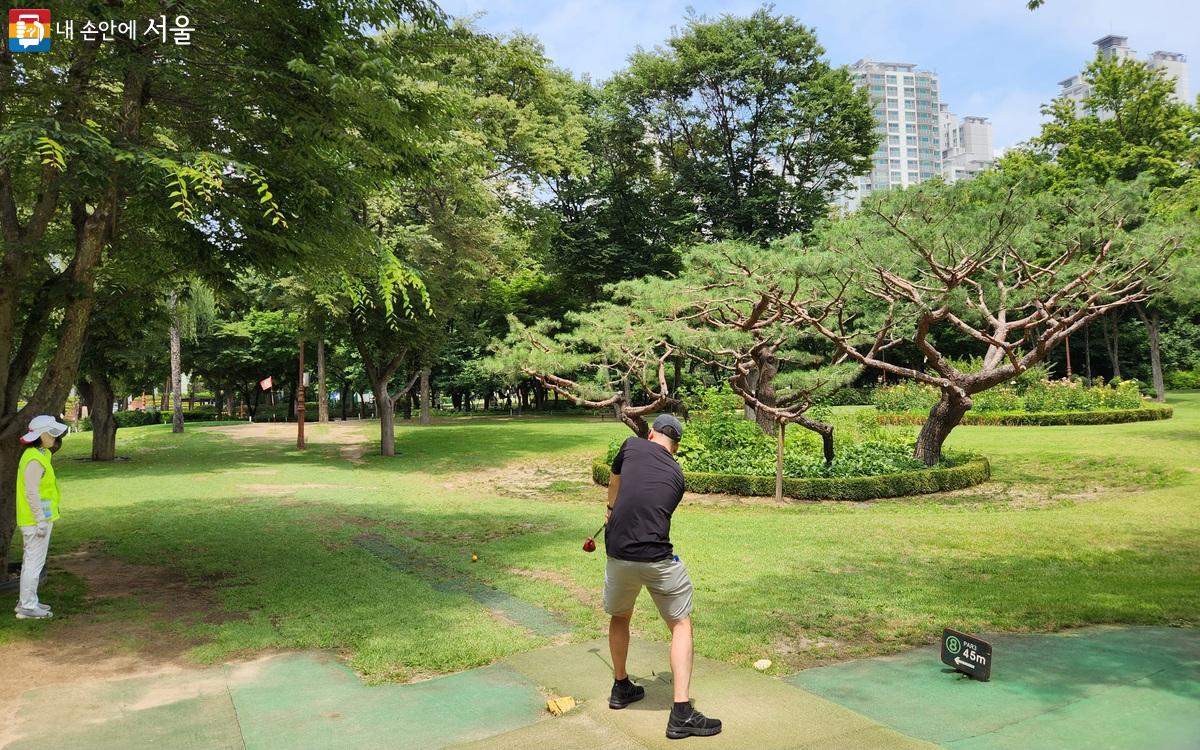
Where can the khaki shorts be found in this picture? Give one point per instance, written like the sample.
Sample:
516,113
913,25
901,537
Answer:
667,581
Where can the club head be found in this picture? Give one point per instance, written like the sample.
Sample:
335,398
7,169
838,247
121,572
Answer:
589,545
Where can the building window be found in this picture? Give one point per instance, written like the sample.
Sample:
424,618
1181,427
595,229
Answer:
910,127
911,140
894,151
912,176
894,126
894,139
895,176
893,114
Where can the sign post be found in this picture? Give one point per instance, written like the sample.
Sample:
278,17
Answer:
300,401
967,654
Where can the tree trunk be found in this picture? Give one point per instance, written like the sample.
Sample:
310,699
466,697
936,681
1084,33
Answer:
676,377
943,417
768,368
97,392
426,418
386,409
1087,354
176,367
779,462
752,386
345,396
1111,344
322,392
408,406
1152,320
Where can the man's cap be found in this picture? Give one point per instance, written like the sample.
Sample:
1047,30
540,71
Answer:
42,424
666,424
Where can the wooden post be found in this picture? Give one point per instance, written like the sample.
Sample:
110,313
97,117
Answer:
1068,347
779,464
300,401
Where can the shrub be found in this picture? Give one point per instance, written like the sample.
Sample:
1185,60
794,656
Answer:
1041,396
906,396
719,439
1000,398
1045,419
955,472
1181,380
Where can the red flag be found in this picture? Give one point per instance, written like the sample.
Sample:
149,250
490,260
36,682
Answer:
266,383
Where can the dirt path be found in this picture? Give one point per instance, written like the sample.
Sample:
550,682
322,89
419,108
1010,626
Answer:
350,437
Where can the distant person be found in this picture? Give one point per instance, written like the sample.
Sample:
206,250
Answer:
644,490
37,509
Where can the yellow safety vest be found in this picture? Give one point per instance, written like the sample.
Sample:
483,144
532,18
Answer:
48,488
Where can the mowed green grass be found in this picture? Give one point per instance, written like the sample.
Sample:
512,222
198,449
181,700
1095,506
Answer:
1079,525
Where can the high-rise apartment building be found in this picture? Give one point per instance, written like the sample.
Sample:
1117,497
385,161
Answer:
966,145
905,102
1173,64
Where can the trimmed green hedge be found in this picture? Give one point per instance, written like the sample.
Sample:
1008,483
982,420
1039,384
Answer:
970,471
1043,419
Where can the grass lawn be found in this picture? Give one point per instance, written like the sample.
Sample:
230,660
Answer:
1079,525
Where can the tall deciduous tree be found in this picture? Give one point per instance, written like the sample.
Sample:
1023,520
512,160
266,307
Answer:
96,126
756,129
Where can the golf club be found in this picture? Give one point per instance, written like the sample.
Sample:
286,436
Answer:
590,544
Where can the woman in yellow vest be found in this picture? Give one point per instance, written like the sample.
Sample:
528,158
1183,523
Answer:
37,510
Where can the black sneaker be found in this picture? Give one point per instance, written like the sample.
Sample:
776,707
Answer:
695,725
623,695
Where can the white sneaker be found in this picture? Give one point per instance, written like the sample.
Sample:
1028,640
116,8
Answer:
41,605
34,614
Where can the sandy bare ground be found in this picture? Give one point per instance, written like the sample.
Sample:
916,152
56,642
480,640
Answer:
351,437
86,646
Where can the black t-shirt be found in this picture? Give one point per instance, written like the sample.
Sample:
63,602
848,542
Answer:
651,488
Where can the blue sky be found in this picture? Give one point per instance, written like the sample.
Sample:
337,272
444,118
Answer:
995,58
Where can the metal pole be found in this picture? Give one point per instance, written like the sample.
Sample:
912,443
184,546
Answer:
300,401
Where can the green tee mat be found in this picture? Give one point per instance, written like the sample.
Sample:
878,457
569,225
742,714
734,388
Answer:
1101,687
288,702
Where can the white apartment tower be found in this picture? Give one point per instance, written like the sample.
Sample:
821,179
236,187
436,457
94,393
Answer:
905,103
966,145
1173,64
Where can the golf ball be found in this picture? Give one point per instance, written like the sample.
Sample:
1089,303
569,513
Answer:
762,665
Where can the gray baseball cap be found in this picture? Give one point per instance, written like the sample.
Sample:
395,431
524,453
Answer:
666,424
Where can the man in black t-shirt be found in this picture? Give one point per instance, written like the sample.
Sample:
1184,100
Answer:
644,489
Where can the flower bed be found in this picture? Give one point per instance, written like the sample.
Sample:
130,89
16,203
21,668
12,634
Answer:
1148,413
1026,401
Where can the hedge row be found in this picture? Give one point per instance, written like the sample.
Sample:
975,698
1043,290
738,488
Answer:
1043,419
973,470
